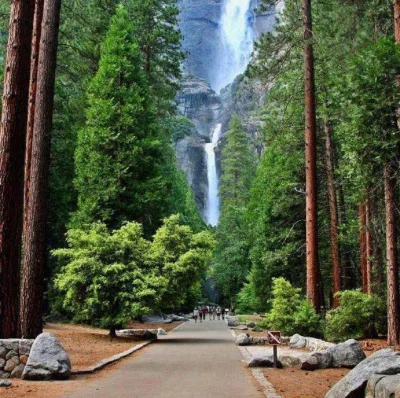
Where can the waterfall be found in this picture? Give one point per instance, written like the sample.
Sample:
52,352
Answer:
212,206
237,34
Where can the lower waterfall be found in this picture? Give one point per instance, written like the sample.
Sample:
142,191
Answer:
212,205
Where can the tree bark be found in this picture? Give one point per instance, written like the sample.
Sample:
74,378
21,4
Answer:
368,247
37,29
12,152
35,245
392,259
333,215
363,248
313,279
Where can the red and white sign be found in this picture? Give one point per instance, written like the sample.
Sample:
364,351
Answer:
274,338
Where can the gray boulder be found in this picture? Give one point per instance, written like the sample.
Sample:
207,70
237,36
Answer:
152,319
4,375
251,325
353,385
2,363
243,339
5,383
17,372
324,359
3,352
311,343
168,321
24,347
297,341
139,334
347,355
382,386
47,360
233,322
12,363
263,362
161,332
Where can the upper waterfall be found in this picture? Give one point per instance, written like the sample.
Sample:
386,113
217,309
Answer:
237,35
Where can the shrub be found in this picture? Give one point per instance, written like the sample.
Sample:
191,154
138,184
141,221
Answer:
290,312
358,315
246,300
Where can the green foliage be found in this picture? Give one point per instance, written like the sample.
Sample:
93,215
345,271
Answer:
180,126
290,312
246,300
230,262
107,279
357,316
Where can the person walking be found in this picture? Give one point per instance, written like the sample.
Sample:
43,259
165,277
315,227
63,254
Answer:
195,314
204,311
223,313
210,312
214,313
219,313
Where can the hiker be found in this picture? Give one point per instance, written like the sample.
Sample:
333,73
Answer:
210,312
223,313
195,314
219,313
214,313
204,311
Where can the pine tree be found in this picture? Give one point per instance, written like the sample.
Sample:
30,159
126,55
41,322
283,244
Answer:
119,157
231,262
36,213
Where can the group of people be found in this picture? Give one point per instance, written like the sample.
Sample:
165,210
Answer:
199,313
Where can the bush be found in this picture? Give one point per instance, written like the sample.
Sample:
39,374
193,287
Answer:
290,312
246,300
358,315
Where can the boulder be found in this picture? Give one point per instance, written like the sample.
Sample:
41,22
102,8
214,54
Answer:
353,385
11,364
152,319
2,363
240,327
139,334
263,362
5,383
47,360
161,332
11,354
311,343
324,359
24,347
177,318
243,339
382,386
4,375
168,321
10,344
3,352
292,361
347,355
23,359
233,322
251,325
311,363
17,372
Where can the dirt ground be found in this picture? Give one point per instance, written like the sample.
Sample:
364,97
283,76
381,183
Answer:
85,346
296,383
371,345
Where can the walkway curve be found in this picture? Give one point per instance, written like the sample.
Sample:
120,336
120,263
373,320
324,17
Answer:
196,360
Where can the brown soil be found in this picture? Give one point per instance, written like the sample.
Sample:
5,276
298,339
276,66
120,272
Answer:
371,345
296,383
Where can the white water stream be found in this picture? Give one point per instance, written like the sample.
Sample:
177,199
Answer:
212,205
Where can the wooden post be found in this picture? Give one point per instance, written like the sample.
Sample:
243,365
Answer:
275,356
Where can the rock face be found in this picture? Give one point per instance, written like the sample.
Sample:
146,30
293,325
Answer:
47,360
347,355
201,28
353,385
243,339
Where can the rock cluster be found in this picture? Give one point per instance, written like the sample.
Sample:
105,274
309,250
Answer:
264,362
47,360
13,357
372,371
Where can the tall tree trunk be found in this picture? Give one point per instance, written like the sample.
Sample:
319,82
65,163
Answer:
368,246
37,28
12,151
392,259
35,247
333,215
391,232
363,248
313,274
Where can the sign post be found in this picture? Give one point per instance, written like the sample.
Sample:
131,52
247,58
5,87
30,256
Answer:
274,339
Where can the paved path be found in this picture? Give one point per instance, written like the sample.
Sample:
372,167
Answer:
197,360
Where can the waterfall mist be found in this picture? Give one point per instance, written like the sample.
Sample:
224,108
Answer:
237,35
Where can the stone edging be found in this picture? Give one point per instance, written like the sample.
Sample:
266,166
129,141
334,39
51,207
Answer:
109,361
105,362
269,390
